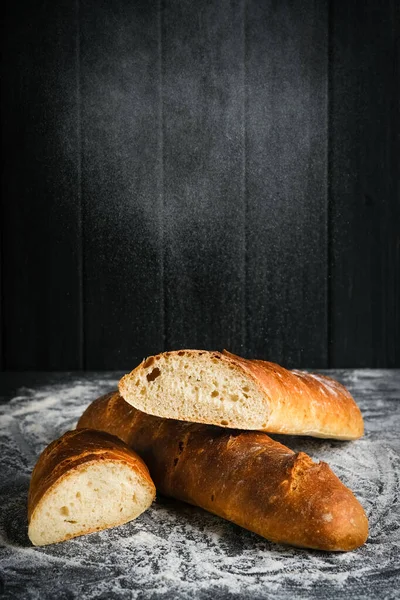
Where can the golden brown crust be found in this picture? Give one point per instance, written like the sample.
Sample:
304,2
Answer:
243,476
71,450
304,403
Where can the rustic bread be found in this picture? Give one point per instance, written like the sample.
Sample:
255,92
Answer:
225,390
85,481
245,477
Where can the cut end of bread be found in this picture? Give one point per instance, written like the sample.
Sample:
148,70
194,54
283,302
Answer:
93,496
198,386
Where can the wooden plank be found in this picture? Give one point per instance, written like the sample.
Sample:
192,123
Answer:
203,130
365,193
121,182
286,165
40,199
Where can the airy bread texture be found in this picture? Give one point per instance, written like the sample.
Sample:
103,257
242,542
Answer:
83,482
245,477
229,391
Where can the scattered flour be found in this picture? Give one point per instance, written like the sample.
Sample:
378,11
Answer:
180,552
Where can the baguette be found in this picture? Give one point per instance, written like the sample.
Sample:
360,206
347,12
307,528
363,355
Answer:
245,477
83,482
229,391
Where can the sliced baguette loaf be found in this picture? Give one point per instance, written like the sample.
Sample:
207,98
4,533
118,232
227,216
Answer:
83,482
225,390
245,477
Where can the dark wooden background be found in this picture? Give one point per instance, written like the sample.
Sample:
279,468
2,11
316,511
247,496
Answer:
200,174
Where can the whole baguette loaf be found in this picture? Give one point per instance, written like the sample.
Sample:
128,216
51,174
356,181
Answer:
83,482
229,391
245,477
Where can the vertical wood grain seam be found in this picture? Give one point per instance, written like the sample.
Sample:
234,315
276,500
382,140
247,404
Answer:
395,12
161,178
81,354
329,190
2,296
3,365
244,185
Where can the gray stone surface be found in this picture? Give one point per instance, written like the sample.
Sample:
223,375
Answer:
178,551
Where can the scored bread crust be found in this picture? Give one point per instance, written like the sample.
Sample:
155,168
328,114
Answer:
67,455
243,476
282,401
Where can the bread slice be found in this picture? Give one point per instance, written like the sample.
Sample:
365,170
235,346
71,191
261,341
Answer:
243,476
83,482
229,391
